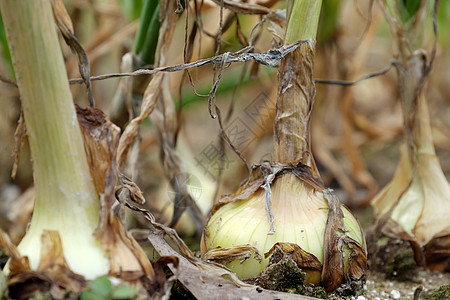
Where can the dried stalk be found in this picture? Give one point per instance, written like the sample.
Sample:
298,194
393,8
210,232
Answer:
296,94
296,89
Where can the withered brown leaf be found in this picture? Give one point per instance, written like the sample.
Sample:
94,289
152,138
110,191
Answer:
226,255
303,259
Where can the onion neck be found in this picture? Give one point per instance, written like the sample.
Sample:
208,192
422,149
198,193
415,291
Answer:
418,136
296,92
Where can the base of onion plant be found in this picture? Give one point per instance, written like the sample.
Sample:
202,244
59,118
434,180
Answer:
284,206
415,205
67,242
73,235
309,224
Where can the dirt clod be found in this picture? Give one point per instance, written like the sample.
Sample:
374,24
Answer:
283,274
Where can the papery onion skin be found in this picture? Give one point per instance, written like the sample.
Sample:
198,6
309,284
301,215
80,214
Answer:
419,190
300,217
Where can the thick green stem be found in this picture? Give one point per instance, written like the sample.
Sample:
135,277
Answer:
147,30
65,197
147,54
303,20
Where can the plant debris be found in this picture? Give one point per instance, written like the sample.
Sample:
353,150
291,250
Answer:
284,274
206,280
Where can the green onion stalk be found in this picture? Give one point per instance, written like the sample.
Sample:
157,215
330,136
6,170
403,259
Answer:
285,205
69,213
415,205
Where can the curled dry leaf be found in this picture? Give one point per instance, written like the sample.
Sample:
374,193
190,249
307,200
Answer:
19,137
333,260
226,255
335,267
272,58
149,101
100,138
65,25
437,251
133,192
18,262
166,122
127,260
357,264
62,17
244,8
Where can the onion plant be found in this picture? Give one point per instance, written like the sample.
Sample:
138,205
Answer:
69,210
415,205
285,202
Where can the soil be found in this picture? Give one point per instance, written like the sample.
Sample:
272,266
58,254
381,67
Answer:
395,276
377,287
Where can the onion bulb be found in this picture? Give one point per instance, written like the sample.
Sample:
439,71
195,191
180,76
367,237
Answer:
416,202
301,218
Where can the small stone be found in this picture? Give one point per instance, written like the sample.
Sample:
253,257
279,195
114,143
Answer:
395,294
361,298
377,298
